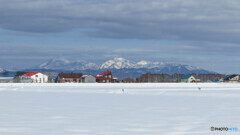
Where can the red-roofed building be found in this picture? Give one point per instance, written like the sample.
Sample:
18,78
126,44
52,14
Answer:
105,77
35,77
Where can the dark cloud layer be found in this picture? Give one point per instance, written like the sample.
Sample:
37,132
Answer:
207,20
204,33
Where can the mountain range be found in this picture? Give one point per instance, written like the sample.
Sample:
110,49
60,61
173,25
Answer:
64,64
2,70
6,73
121,68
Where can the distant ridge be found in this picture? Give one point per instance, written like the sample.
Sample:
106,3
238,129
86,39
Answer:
64,64
2,70
121,68
121,64
6,73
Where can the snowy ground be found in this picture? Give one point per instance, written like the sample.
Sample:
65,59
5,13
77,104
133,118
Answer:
103,109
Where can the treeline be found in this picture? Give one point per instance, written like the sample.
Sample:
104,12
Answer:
148,77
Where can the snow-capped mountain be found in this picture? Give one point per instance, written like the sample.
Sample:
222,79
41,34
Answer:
120,63
54,63
64,64
6,72
124,65
117,63
2,70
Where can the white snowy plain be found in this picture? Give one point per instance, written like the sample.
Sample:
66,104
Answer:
105,109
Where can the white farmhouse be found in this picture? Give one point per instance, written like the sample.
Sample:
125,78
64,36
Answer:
35,77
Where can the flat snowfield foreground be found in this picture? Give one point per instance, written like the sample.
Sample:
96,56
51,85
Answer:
119,109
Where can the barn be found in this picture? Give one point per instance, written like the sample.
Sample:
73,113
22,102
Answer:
35,77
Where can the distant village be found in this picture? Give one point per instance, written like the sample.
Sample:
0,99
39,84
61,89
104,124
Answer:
108,77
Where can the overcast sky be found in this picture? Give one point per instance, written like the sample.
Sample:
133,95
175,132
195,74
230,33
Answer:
204,33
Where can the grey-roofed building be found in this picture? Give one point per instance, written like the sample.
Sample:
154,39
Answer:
6,79
232,78
88,79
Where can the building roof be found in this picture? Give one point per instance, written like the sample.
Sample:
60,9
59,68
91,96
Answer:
186,76
30,73
101,78
84,76
230,77
211,80
70,75
104,73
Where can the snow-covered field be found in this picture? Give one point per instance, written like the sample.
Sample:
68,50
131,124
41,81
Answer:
104,109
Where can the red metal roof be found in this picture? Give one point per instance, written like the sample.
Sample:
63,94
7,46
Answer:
100,78
107,72
30,73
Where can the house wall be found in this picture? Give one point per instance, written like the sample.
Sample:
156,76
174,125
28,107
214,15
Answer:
23,80
189,80
105,81
39,78
232,81
235,79
109,75
69,80
184,80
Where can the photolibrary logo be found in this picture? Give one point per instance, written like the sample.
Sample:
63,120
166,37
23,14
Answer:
231,129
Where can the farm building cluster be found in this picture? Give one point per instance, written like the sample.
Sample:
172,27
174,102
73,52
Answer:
191,78
107,77
38,77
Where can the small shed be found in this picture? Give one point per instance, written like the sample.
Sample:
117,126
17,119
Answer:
88,79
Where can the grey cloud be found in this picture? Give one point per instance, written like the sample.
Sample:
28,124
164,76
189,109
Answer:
21,57
205,20
17,57
202,49
38,54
